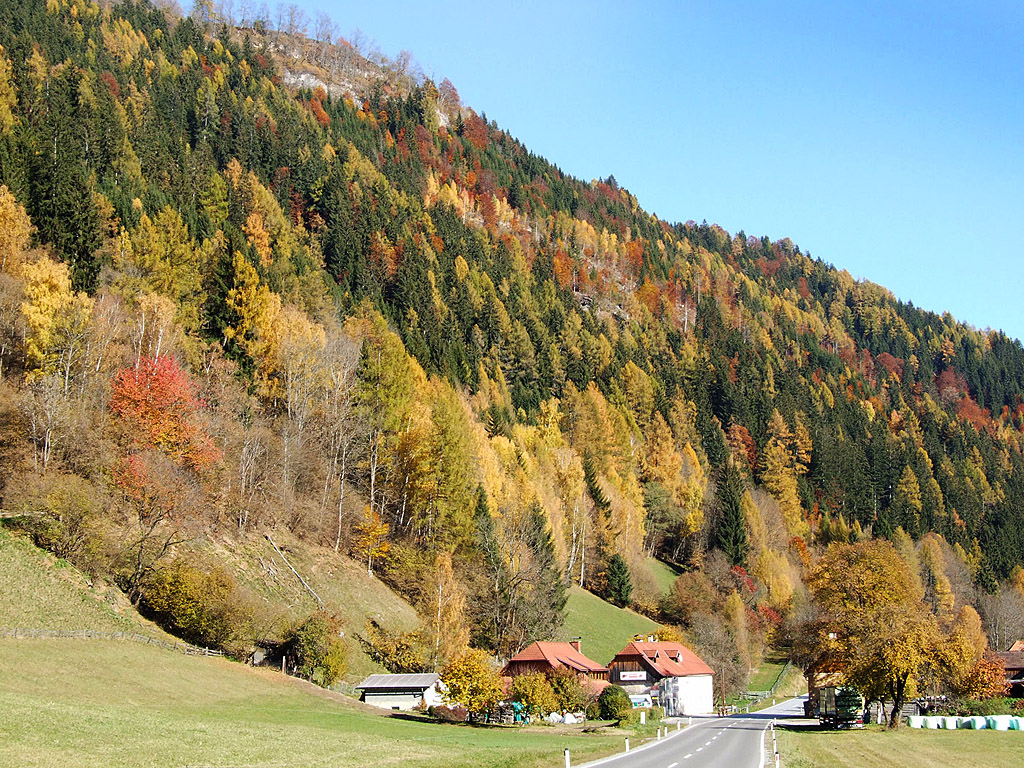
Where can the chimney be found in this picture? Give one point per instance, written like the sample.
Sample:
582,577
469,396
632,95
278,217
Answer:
576,643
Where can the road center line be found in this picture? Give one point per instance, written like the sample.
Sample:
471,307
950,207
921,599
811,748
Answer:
673,765
687,757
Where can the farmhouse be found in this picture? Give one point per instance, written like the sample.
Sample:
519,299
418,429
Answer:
1013,664
403,692
548,657
681,680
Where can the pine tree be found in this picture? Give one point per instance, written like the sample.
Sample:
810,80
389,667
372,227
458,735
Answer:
620,584
731,531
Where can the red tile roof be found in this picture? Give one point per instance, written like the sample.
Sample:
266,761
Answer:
558,655
665,658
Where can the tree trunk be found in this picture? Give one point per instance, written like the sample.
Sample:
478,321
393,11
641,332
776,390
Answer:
898,700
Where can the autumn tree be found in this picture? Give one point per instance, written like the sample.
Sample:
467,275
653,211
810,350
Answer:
158,404
15,226
535,693
873,625
373,539
472,681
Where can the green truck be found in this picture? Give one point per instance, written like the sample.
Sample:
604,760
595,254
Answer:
839,707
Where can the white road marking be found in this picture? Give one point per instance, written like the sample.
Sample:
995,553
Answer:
673,765
707,743
686,757
700,749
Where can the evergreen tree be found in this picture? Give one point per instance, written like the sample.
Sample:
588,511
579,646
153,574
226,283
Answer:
620,584
731,531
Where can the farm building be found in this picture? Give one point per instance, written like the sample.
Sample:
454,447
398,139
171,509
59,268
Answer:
403,692
681,679
1013,664
548,657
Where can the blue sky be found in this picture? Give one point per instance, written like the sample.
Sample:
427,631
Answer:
886,138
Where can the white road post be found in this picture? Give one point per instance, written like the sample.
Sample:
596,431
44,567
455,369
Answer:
627,745
567,762
679,725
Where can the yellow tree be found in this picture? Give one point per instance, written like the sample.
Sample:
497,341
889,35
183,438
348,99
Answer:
56,319
255,310
451,632
471,681
15,230
160,256
373,539
873,625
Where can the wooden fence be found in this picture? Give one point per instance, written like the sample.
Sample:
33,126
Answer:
90,634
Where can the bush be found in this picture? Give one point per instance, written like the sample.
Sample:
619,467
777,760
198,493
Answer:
449,714
614,704
988,707
199,606
318,650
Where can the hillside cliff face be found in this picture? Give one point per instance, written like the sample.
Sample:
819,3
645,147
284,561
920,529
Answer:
379,321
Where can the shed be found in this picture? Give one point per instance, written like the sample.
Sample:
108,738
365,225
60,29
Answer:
401,692
681,679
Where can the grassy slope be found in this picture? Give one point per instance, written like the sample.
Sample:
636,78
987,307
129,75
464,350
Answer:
101,703
664,574
604,628
905,747
38,591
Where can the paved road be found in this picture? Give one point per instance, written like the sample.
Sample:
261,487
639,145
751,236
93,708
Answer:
711,742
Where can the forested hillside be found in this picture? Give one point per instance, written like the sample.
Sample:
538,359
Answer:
358,311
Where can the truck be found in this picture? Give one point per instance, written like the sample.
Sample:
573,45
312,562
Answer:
839,707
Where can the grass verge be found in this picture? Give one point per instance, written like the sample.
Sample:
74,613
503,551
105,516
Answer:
876,747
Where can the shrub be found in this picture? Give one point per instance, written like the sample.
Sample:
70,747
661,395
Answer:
198,606
318,650
614,703
453,714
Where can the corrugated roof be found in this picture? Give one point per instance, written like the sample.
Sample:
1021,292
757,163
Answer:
558,655
400,682
667,659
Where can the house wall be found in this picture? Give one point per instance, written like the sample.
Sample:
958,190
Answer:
393,700
690,695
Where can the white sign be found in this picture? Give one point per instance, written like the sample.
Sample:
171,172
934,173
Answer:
633,675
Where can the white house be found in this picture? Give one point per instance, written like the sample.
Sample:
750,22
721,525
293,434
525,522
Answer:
401,692
679,677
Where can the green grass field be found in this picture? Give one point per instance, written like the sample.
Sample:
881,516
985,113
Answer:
104,703
604,628
875,747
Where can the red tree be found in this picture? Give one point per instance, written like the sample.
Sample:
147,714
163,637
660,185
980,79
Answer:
158,402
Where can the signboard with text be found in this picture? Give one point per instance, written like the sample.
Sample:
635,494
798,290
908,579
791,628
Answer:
632,675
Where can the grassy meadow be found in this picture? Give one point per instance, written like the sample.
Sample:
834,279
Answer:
104,703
